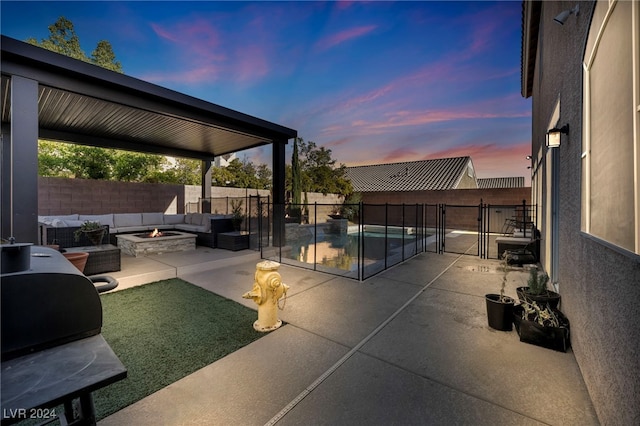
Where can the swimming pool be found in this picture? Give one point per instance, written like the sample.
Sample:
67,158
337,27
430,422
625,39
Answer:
353,254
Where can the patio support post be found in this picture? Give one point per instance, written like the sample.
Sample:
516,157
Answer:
278,166
206,186
20,164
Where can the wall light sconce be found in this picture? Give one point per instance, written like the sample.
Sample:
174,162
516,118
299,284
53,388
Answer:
562,17
529,157
553,136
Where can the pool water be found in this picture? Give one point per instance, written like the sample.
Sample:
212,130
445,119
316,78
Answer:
341,250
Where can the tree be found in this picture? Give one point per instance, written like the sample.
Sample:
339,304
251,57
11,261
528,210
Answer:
103,56
64,40
90,162
186,171
181,171
264,176
296,181
64,160
242,174
319,171
135,166
52,159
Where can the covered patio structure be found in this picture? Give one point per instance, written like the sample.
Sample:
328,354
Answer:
51,96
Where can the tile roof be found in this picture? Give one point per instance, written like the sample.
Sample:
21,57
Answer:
425,175
501,182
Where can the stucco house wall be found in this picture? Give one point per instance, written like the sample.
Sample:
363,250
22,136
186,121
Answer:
599,282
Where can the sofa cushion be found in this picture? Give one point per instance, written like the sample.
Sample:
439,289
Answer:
173,219
191,228
68,223
104,219
206,222
130,229
152,219
48,220
127,219
193,219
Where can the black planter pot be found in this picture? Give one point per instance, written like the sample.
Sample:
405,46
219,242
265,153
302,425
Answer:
556,338
548,297
95,236
499,314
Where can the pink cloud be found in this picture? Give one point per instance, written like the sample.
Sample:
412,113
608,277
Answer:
399,155
208,54
344,4
400,119
164,33
250,62
492,160
342,36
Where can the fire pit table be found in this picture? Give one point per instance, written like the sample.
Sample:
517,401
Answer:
164,242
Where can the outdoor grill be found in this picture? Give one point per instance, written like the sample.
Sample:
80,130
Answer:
52,349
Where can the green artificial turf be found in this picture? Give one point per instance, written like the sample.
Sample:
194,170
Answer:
164,331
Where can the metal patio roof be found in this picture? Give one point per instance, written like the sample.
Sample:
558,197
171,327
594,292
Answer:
82,103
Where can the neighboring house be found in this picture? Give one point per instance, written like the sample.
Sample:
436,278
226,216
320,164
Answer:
585,75
501,182
450,181
426,175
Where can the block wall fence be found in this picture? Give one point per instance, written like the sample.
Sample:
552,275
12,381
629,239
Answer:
464,217
59,196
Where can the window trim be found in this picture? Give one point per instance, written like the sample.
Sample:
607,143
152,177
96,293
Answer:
585,158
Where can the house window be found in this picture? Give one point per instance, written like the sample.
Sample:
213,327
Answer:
611,142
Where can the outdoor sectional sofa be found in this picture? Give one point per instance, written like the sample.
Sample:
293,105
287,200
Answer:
60,229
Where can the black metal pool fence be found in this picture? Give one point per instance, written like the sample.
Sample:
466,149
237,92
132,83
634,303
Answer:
361,240
352,240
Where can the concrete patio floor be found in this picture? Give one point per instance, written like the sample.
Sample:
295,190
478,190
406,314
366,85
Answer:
410,346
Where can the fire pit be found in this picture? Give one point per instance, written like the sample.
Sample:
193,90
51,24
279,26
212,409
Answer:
155,242
157,234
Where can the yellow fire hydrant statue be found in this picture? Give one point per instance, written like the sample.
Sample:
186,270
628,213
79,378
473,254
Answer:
267,290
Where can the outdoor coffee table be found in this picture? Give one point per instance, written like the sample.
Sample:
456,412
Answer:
102,258
235,241
170,241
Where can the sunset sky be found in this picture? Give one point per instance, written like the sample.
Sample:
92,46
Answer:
375,82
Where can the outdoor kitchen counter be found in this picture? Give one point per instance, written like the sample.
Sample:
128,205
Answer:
33,385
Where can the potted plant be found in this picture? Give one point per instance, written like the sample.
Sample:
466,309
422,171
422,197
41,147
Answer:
79,259
542,325
499,306
93,230
536,290
237,216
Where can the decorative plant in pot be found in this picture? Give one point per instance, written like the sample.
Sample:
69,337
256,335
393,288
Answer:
237,215
536,290
499,306
542,325
93,230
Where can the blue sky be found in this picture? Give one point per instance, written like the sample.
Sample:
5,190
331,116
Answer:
375,82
